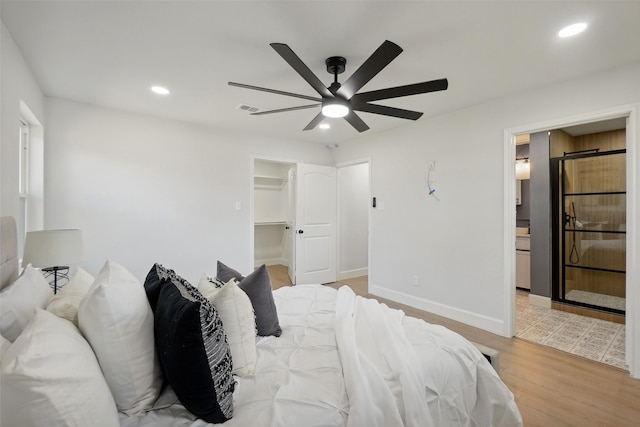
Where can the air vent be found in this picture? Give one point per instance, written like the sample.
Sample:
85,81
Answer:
249,108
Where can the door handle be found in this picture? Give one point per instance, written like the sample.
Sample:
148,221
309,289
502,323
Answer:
300,231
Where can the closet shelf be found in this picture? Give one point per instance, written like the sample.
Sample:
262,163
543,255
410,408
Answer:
270,223
266,181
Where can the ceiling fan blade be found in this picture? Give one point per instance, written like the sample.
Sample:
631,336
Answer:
278,92
406,90
388,111
355,121
282,110
386,53
315,122
296,63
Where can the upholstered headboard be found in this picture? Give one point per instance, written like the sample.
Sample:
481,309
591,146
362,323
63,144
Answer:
8,251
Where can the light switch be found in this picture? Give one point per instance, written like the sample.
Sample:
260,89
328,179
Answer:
238,206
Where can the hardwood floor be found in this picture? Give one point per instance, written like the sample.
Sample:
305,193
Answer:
552,388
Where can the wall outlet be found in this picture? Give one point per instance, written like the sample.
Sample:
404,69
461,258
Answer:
415,281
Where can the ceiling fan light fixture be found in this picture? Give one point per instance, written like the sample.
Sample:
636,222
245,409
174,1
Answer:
335,108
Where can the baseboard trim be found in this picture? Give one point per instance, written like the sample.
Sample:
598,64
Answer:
539,301
271,261
350,274
490,324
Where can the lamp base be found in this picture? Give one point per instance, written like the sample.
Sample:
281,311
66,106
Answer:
55,272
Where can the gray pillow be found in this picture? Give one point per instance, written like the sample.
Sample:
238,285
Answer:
257,286
226,273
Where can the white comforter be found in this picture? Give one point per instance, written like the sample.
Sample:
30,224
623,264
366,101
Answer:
343,360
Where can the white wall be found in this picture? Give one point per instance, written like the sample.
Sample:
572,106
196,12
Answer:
147,190
456,245
353,220
20,91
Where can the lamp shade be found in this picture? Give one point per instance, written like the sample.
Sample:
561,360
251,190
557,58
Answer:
523,169
53,248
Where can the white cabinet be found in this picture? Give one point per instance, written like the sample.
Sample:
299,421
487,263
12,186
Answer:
523,269
523,262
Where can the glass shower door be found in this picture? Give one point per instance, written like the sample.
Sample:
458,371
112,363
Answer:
593,231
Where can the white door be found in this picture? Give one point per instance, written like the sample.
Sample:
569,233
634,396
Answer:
315,241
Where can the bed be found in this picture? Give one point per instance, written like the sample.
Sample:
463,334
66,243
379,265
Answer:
162,352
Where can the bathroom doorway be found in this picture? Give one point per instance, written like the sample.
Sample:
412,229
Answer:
626,118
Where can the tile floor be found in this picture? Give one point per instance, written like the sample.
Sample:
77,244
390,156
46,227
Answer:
594,339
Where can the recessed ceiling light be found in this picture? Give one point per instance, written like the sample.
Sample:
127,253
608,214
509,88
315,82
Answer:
160,90
324,126
572,30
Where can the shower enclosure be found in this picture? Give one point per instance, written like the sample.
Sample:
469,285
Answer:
589,229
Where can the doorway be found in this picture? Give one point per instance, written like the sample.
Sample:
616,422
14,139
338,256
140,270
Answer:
294,220
354,196
274,216
629,115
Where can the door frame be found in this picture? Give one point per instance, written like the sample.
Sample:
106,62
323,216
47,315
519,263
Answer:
338,207
630,111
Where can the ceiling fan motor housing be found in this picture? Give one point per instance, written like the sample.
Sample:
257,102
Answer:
336,65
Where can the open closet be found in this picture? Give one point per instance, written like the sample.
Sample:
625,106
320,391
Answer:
274,213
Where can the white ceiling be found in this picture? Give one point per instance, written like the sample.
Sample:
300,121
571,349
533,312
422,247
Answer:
109,53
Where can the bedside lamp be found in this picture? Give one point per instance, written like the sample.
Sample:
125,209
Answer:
53,250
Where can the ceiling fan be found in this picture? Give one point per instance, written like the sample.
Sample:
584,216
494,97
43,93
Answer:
343,100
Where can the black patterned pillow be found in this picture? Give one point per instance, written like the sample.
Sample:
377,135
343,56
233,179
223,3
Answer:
191,345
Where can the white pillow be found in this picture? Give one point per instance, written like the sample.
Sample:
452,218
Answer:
50,375
209,284
19,301
4,346
117,320
236,312
66,302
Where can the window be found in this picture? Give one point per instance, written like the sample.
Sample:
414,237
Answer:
23,182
